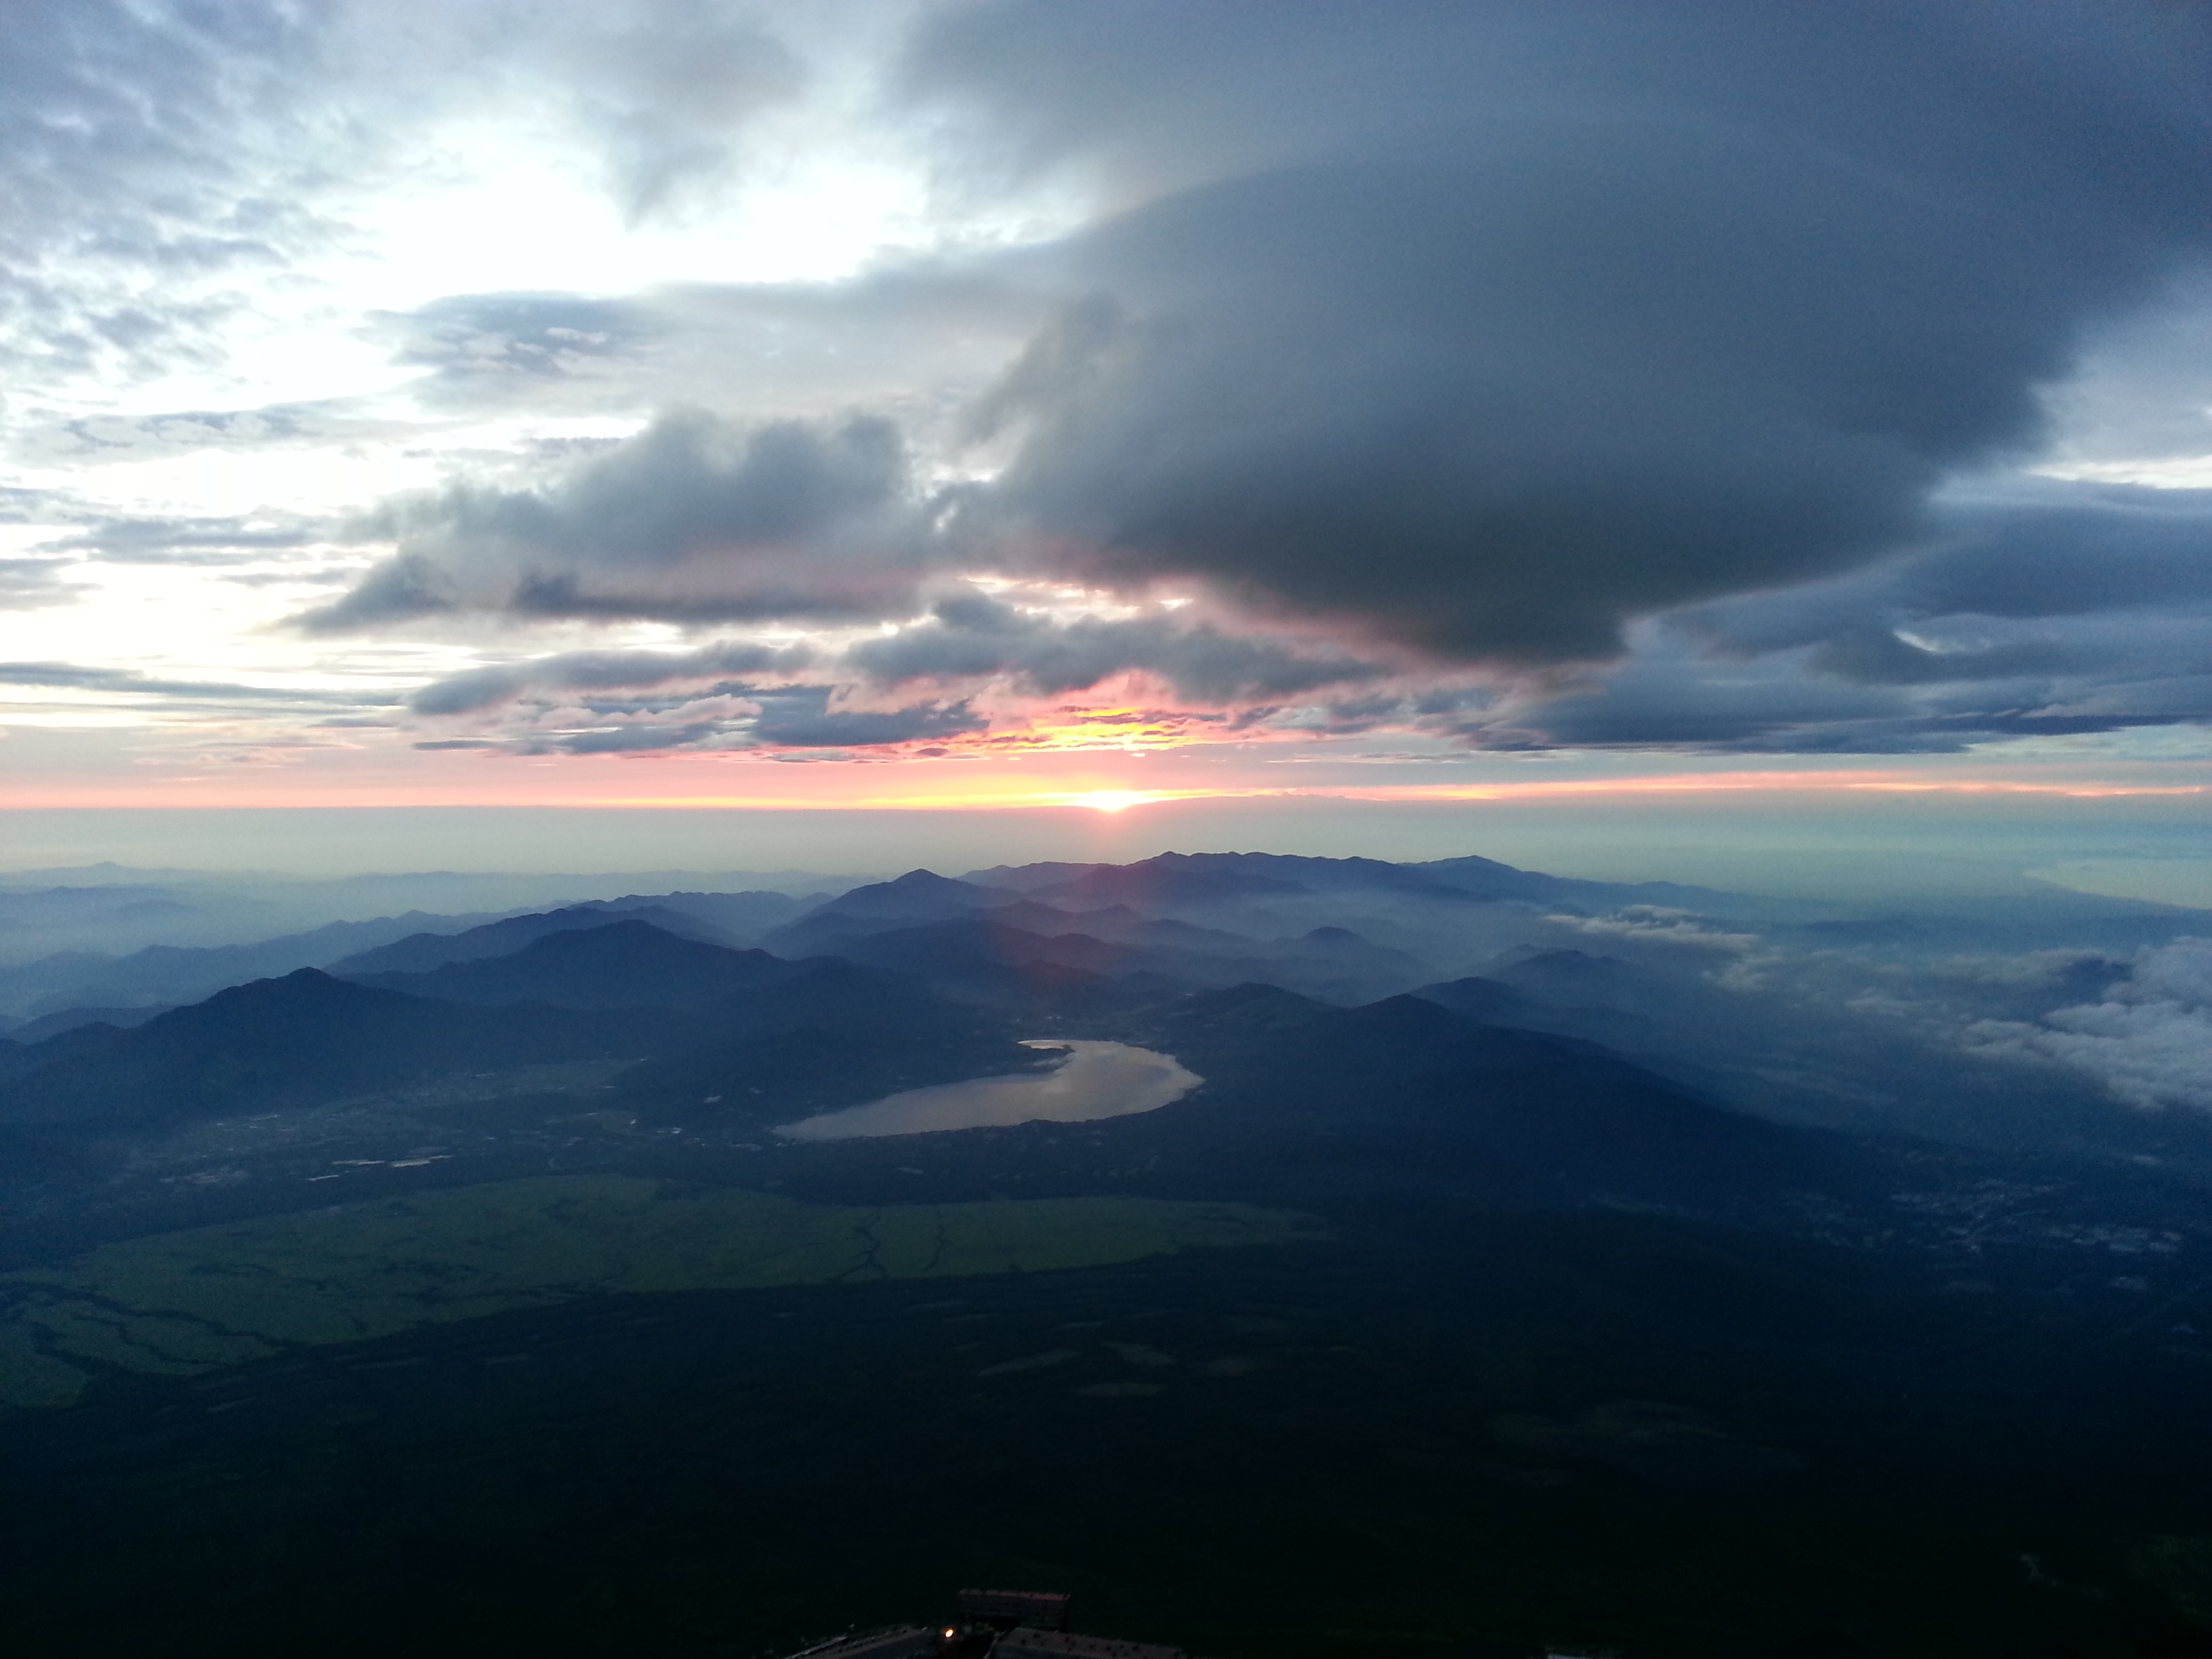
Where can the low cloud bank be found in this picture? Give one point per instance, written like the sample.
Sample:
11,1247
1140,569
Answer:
2148,1040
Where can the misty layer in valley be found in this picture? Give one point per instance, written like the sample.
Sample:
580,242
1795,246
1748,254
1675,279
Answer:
1273,1249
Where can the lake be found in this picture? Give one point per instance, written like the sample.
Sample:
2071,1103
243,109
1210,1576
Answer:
1095,1080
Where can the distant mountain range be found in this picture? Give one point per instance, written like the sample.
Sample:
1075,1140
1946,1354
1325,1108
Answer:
762,1003
161,975
1320,1067
630,963
279,1043
1187,879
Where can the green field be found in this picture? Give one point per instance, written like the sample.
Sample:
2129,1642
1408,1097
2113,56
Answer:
189,1301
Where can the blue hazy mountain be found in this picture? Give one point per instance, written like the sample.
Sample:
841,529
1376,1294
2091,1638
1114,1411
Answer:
168,973
420,953
163,975
1487,878
1202,878
627,964
48,1025
279,1043
918,896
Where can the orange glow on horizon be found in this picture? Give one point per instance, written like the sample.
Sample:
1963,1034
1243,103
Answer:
1112,800
860,787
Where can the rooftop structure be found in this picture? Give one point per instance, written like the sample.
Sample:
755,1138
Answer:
898,1642
990,1624
1024,1644
1004,1609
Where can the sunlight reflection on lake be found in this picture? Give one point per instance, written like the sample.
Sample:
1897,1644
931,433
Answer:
1097,1079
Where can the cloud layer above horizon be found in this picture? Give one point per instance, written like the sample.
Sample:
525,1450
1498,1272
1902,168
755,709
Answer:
899,378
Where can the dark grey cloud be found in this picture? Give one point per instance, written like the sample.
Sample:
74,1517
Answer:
1491,328
1871,693
695,519
2044,609
802,718
967,638
1881,656
1429,336
2045,550
626,739
973,637
733,715
1666,700
589,671
2053,608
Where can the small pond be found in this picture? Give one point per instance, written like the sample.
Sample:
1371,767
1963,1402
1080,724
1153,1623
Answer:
1094,1080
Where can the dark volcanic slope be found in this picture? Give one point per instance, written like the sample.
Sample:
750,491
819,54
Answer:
1402,1093
620,964
833,1033
283,1042
1399,1106
422,953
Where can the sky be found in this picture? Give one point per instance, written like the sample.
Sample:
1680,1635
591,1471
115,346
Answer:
1419,421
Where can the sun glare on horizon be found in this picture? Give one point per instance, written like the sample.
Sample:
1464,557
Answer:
1112,800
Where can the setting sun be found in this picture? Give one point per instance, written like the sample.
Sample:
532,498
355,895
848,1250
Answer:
1111,801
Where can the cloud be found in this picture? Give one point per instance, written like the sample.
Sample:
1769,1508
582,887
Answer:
695,519
191,541
165,160
801,718
913,340
670,93
1666,698
1626,360
1491,330
970,640
32,584
722,716
485,688
1670,697
2148,1041
1651,924
2045,609
137,187
86,678
973,637
531,336
2037,550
